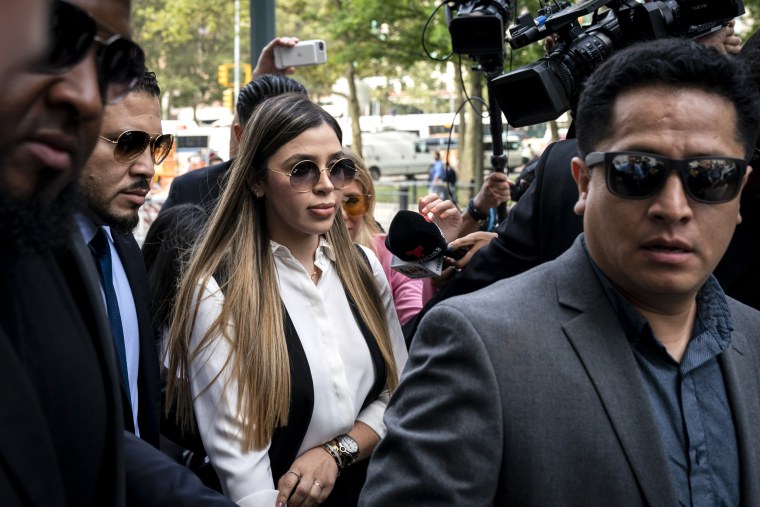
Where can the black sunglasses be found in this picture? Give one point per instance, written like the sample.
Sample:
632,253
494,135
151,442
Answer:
131,143
305,174
121,62
706,179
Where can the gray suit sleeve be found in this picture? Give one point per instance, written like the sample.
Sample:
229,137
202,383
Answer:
445,430
153,479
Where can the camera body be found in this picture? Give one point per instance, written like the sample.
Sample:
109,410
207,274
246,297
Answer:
478,30
543,90
307,52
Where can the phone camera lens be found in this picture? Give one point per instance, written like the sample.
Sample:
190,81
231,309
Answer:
321,46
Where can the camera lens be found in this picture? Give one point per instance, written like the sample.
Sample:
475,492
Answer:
321,46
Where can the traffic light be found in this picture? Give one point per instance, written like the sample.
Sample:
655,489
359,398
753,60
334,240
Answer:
223,75
227,98
247,69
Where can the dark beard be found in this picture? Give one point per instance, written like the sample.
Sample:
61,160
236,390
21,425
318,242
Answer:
30,226
124,225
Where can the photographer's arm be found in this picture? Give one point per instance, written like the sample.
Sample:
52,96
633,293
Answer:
265,65
723,39
495,190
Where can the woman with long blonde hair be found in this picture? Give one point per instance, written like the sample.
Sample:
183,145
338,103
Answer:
359,197
284,341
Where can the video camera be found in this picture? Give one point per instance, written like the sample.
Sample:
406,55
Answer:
478,30
543,90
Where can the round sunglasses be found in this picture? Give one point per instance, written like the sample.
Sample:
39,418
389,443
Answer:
635,175
132,143
356,204
121,62
305,175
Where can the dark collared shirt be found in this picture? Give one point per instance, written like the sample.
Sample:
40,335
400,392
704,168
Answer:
688,400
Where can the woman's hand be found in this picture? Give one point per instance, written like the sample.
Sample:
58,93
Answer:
443,213
309,480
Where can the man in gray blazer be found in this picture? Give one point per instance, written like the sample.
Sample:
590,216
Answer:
620,373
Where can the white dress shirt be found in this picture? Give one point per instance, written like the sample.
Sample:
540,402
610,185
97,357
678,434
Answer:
341,368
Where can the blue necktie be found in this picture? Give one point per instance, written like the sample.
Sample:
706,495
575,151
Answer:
101,250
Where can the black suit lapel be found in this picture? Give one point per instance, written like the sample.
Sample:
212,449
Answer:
83,269
148,373
602,347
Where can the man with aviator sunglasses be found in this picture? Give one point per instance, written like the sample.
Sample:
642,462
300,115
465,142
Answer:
114,184
637,384
63,441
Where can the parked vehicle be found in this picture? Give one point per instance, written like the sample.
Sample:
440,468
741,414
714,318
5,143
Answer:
395,153
513,149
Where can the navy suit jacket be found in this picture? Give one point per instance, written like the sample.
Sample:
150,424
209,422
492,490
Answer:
148,377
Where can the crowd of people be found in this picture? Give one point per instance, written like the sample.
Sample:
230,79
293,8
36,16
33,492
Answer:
260,349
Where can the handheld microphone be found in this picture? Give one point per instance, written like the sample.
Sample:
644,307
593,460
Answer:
417,244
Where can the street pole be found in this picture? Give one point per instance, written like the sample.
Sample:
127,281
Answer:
236,90
262,26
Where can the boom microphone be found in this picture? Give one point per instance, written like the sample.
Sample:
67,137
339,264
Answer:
417,244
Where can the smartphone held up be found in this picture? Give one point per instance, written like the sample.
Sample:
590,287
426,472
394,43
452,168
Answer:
308,52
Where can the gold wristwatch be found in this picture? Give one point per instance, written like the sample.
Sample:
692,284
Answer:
343,449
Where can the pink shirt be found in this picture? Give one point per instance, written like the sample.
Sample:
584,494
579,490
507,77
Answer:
407,292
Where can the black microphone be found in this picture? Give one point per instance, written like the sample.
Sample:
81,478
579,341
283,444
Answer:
417,244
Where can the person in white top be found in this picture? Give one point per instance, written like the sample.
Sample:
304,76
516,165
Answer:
284,340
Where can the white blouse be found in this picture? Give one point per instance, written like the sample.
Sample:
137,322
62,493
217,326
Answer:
339,359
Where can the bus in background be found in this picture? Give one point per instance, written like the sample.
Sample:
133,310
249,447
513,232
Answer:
193,148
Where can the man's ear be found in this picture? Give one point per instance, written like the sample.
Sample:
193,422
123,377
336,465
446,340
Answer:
745,189
237,131
582,177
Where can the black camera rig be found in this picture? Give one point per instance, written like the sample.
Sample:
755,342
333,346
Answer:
543,90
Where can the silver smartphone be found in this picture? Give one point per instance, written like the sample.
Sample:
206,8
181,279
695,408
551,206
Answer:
307,52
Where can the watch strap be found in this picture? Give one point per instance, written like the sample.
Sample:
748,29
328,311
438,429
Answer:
474,212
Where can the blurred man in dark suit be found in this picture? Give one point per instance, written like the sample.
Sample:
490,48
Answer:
63,442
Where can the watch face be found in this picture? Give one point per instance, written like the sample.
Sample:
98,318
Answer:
349,444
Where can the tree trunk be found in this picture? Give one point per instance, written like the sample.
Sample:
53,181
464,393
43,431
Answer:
354,112
554,130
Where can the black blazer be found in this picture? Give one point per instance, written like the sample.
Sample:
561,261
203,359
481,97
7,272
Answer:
202,186
148,377
135,473
30,473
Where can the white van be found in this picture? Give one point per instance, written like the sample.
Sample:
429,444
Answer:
395,153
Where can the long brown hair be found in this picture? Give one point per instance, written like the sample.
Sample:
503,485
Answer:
369,228
251,321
